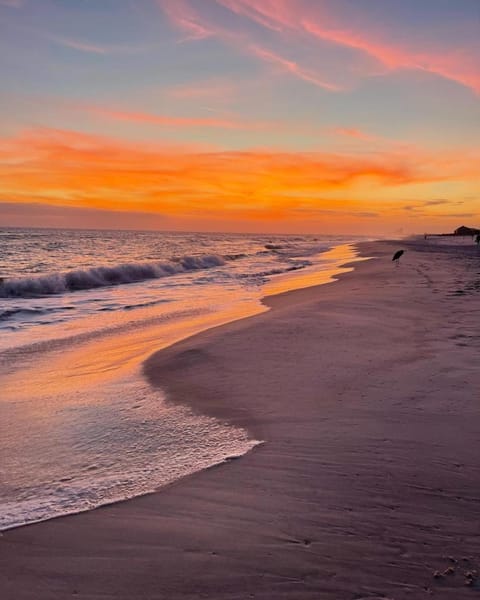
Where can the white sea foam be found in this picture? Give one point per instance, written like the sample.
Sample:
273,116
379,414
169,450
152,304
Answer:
99,453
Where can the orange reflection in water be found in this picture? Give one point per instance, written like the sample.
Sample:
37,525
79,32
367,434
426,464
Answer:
84,367
332,262
73,371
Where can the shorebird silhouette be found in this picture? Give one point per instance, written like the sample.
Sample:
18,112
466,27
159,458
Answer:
397,255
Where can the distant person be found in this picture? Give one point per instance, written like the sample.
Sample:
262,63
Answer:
477,239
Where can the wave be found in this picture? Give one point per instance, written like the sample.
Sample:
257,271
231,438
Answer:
288,250
274,246
278,271
13,312
71,281
146,304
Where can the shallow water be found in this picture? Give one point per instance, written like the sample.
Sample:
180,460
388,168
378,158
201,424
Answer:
79,425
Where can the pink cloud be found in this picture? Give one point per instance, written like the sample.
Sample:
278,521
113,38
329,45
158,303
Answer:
281,15
455,67
186,18
258,12
183,16
170,121
277,15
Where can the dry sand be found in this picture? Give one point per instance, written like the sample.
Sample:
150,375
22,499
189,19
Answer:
366,392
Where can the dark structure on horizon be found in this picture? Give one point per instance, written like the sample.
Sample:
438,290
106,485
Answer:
463,230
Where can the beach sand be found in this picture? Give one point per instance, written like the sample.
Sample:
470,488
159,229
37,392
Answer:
366,394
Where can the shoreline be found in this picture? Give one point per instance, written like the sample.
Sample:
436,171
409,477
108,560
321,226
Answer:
273,301
359,390
334,258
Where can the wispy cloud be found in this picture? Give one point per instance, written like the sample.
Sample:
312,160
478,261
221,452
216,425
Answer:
463,215
258,12
354,132
94,48
183,16
39,214
315,19
436,202
175,121
186,18
312,211
292,67
458,67
419,206
272,14
78,45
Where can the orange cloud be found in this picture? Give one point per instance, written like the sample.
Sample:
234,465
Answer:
67,168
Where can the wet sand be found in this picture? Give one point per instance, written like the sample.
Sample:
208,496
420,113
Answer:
366,394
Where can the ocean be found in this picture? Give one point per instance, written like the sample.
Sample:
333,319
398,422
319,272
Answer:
80,311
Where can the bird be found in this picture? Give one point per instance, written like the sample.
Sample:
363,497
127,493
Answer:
397,255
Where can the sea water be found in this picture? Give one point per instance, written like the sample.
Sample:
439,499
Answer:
79,313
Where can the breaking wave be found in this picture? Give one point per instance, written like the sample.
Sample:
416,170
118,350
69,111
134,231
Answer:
279,271
71,281
8,314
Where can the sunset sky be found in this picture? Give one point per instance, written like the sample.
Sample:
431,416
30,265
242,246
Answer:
322,116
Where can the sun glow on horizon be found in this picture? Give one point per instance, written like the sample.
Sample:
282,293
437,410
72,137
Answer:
234,115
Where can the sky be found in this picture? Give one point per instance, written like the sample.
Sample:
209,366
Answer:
308,116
